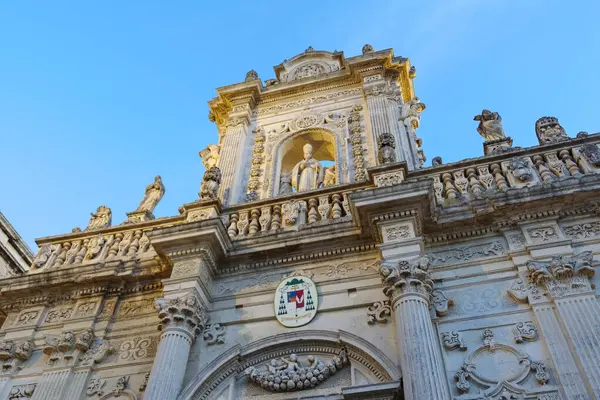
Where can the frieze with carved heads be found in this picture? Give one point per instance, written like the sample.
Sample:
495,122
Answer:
14,353
287,374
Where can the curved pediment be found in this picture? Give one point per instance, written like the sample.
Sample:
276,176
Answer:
309,64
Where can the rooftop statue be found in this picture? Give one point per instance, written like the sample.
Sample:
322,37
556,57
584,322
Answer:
154,192
101,218
490,125
308,173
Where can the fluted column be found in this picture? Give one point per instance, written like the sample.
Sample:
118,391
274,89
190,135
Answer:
52,385
565,280
563,360
409,287
232,150
182,319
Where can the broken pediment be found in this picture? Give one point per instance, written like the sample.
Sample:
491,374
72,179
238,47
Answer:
309,64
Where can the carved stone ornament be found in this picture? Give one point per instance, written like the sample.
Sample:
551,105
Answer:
21,392
98,351
514,368
591,152
102,218
182,312
563,275
548,130
12,355
367,48
436,161
388,179
210,184
520,169
490,126
144,384
525,331
413,278
85,340
387,148
95,387
287,374
214,334
453,340
379,312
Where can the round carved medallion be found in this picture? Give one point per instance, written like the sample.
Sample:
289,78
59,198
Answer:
296,301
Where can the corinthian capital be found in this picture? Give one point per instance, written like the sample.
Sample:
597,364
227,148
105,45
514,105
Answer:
563,275
184,312
407,277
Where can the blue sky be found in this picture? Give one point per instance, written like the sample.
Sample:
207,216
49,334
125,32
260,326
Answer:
96,98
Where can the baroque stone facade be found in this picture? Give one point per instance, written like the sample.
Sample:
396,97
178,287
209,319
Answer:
468,280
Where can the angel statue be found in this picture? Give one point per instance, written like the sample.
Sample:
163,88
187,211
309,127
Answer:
101,218
308,173
154,192
490,126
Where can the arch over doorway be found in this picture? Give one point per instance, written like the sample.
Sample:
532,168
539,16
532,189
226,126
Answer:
235,360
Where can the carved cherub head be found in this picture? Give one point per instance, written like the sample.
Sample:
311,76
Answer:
520,169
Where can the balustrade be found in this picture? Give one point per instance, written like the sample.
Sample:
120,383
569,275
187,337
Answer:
514,171
288,215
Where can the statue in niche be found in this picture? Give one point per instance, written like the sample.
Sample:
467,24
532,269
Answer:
154,192
285,184
490,126
101,218
330,178
387,146
308,173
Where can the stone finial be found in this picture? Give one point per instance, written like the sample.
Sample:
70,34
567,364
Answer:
387,148
436,161
309,49
251,75
367,48
548,131
412,73
582,134
490,126
182,312
102,218
210,184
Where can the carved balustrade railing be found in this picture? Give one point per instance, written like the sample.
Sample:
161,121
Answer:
92,248
318,208
476,178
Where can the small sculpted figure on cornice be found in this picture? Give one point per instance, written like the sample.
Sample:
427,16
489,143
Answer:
548,130
285,184
182,312
330,178
591,152
436,161
154,193
410,112
101,218
210,184
490,126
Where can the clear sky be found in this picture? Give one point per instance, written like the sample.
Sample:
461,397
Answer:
96,98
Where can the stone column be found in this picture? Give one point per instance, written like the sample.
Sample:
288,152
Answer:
378,112
52,385
232,150
410,287
182,319
564,281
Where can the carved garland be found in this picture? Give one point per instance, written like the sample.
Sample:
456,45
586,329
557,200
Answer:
257,164
356,138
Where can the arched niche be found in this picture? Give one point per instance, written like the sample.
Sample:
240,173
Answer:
327,147
220,374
